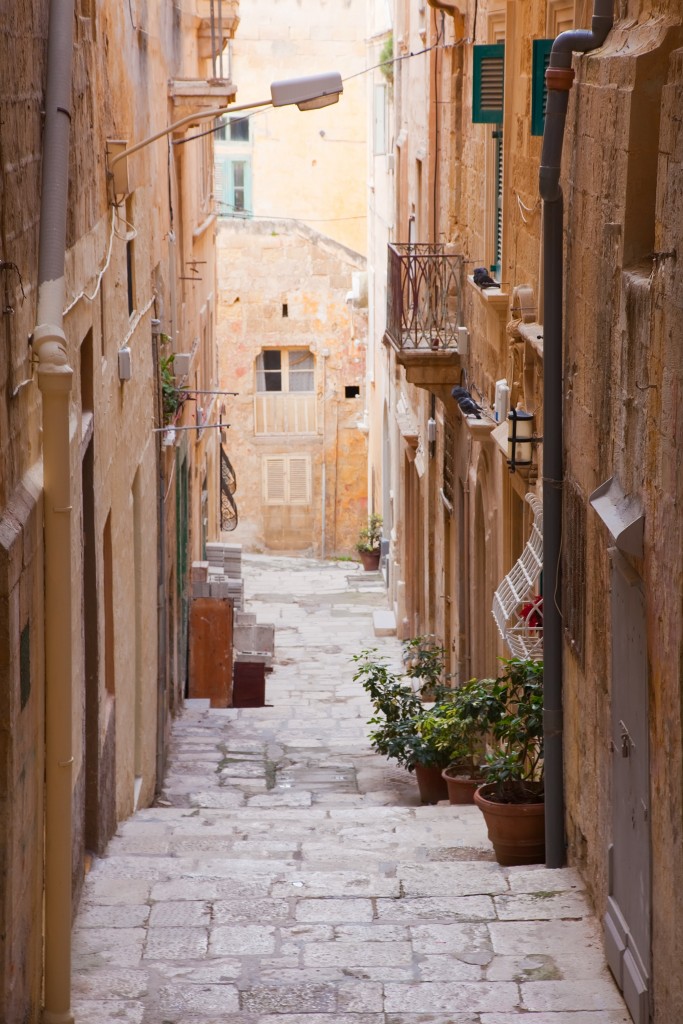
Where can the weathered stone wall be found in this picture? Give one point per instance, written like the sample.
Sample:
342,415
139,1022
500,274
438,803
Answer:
262,268
122,62
624,385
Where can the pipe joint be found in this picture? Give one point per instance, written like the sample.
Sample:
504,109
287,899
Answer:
549,184
49,345
560,79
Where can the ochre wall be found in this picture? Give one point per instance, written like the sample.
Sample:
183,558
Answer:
260,269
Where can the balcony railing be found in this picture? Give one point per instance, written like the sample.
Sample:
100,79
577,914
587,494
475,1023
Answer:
424,297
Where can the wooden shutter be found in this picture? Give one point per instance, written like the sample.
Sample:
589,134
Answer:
487,83
286,480
274,479
299,480
539,93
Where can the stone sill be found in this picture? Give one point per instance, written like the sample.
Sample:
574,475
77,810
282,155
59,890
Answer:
480,428
533,334
494,297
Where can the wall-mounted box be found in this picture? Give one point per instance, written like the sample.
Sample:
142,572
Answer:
125,364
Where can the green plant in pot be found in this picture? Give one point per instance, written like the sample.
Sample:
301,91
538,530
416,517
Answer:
461,729
511,798
368,542
398,719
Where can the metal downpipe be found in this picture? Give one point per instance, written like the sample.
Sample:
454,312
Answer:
55,382
559,78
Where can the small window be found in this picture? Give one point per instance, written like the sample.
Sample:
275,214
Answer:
352,391
239,185
232,186
539,92
285,370
488,83
239,129
285,309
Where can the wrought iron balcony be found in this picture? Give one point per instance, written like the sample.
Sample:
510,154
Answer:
424,298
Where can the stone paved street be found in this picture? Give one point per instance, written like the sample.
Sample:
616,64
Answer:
290,876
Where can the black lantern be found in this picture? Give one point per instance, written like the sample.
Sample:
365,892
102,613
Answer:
520,437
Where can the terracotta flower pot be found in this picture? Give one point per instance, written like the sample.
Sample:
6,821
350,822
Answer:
431,784
370,560
517,831
461,784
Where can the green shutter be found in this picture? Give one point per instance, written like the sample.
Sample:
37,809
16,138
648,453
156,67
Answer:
488,74
539,92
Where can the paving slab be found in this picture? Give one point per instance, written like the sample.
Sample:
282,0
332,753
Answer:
289,875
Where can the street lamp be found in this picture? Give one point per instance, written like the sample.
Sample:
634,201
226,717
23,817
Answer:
308,93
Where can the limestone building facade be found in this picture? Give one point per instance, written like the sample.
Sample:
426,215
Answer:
103,275
290,188
467,116
292,339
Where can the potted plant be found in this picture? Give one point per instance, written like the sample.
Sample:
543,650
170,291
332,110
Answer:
400,729
367,545
461,728
512,796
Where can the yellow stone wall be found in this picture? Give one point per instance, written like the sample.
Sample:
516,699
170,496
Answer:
323,179
262,269
122,65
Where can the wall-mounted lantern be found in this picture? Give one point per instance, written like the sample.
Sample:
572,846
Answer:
521,437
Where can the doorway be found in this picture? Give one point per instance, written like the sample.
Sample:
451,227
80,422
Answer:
628,919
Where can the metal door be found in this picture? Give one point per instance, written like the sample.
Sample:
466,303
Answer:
627,921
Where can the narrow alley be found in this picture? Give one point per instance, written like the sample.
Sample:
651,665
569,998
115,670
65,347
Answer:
289,875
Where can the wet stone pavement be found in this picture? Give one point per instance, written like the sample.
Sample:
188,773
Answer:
290,876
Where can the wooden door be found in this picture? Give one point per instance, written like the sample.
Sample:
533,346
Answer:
211,624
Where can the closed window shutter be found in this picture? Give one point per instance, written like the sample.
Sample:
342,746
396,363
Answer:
274,480
539,92
299,480
488,74
286,479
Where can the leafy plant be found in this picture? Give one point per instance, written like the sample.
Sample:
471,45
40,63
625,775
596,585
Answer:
463,723
370,536
399,724
424,658
515,701
386,59
171,397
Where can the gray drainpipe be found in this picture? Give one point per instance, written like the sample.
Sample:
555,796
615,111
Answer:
559,78
55,381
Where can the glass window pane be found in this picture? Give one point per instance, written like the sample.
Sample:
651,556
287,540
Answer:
268,374
272,359
239,129
238,173
301,366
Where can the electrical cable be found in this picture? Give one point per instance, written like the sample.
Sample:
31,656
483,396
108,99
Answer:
348,78
84,294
